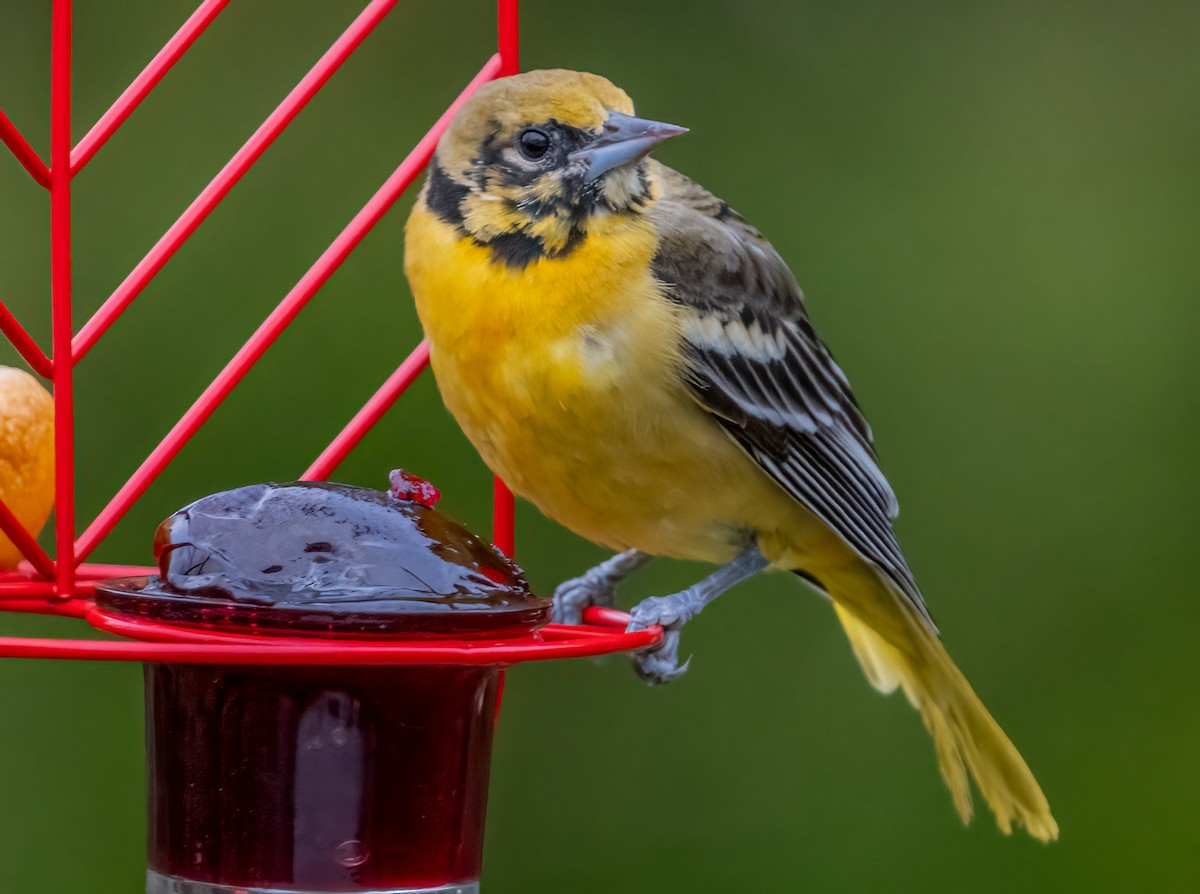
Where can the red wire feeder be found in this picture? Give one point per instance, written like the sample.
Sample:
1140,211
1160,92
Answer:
62,585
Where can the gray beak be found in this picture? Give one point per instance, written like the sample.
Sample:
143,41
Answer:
625,139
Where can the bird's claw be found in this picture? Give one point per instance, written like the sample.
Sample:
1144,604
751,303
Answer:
571,597
660,664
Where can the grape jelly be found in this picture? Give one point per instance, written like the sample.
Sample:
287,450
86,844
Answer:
331,778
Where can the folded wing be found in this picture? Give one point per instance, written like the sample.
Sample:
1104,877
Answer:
755,362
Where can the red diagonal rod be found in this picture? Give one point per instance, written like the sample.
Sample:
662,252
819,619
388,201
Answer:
265,336
366,418
23,151
111,120
23,342
233,171
24,542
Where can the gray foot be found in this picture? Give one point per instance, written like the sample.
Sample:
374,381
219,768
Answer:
660,664
594,587
571,597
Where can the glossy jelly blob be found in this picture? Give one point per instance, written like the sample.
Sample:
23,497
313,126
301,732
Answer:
315,557
319,779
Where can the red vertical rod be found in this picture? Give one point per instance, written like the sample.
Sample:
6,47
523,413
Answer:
60,290
503,518
508,42
508,37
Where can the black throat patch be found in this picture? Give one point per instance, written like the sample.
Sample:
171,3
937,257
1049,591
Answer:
445,197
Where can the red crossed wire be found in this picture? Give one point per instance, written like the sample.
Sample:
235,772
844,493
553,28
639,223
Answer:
43,583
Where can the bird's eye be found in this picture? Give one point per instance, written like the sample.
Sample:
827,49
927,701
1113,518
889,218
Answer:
533,143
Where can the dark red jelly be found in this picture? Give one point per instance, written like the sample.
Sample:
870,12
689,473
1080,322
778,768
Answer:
321,779
320,558
318,779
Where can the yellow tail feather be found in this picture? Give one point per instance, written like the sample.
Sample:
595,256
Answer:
964,733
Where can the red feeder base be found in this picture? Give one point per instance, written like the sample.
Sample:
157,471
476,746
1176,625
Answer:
298,764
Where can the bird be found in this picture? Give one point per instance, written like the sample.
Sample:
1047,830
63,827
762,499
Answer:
633,357
26,455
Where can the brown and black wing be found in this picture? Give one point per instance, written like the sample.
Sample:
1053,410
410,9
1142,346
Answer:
755,362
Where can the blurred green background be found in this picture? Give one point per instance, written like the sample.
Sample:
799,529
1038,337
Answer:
993,210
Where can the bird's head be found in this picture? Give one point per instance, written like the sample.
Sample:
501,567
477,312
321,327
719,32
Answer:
529,161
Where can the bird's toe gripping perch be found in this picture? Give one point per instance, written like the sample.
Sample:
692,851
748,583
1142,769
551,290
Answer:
595,587
660,663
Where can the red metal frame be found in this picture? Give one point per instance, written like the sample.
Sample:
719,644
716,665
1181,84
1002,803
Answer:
61,585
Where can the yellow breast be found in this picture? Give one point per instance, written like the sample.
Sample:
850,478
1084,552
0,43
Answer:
565,376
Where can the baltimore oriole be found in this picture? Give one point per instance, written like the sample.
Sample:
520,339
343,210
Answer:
630,355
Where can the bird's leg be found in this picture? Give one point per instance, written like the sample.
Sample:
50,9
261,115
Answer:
595,587
661,664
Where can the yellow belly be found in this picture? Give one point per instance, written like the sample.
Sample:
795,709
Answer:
564,376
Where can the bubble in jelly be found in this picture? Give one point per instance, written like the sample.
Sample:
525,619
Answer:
351,852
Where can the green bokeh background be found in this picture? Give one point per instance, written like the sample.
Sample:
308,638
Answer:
993,210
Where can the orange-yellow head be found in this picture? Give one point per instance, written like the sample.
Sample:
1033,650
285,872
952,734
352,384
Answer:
530,160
